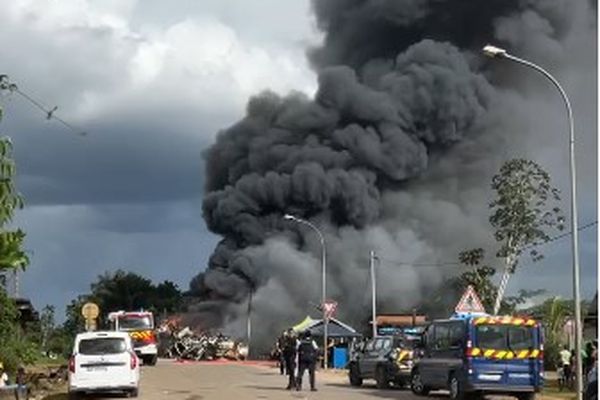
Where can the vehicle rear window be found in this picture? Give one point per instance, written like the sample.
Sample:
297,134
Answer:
505,337
135,323
520,338
102,346
379,344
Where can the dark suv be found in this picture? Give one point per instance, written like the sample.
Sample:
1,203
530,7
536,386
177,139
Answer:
387,359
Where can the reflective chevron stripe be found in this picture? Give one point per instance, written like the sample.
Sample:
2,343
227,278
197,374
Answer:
141,335
402,354
507,320
504,354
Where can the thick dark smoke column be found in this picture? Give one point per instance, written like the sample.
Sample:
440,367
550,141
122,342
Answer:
332,154
398,87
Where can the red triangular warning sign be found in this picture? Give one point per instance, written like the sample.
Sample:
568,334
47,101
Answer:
469,302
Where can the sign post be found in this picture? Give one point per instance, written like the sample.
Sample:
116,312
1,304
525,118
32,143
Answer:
329,308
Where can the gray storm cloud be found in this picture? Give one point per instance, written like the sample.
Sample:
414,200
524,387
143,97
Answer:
393,153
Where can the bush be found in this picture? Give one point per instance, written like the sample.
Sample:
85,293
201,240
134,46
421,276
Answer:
17,351
60,343
15,347
551,354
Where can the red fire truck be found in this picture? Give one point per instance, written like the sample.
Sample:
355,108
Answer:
140,326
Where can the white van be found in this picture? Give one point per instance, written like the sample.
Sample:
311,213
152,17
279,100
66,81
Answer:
103,362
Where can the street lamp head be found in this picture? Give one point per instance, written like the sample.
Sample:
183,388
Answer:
493,51
289,217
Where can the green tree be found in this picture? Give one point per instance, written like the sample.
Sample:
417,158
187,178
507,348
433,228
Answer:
121,290
167,297
481,278
441,302
15,347
12,255
554,313
74,321
47,325
524,211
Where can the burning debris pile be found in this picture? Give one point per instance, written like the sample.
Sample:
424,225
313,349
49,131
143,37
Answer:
186,344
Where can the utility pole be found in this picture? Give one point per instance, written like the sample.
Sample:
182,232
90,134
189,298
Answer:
290,217
249,321
373,294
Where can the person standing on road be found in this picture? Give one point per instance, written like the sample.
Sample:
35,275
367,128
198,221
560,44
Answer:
289,356
307,360
565,360
279,352
3,376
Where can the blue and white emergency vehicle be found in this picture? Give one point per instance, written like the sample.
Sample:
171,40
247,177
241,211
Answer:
474,354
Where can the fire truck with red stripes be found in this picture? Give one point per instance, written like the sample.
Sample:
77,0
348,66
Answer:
475,354
140,326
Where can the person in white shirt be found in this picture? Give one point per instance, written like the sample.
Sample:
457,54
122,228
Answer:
3,376
565,361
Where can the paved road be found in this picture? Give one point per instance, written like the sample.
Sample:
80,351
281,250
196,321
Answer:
169,380
204,381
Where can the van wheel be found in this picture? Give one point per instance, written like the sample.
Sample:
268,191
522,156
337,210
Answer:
382,379
354,376
150,360
456,389
526,396
74,396
416,384
400,383
133,393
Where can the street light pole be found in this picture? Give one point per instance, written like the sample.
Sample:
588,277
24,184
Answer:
373,294
323,281
496,52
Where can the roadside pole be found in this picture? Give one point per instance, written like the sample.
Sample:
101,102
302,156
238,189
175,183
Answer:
373,294
249,322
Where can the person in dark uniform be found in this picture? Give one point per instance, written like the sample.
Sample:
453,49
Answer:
307,360
289,356
278,353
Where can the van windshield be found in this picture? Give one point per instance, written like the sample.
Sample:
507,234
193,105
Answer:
99,346
132,323
505,337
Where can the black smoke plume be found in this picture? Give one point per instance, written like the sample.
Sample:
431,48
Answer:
402,107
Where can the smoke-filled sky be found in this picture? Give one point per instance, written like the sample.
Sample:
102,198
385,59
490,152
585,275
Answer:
391,136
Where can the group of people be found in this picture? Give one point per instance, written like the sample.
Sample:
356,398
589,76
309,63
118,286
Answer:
18,385
567,361
296,356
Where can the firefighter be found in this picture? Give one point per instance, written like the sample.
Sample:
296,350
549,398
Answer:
307,360
289,356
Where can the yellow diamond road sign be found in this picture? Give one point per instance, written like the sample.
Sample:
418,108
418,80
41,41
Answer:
90,310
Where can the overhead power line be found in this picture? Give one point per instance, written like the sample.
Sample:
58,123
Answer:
11,87
563,235
458,264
